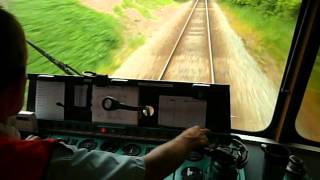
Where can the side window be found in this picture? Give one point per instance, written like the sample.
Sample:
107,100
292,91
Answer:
308,119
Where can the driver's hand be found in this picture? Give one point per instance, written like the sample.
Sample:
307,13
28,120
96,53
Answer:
194,137
32,138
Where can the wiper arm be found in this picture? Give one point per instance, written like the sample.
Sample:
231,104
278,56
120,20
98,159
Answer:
64,67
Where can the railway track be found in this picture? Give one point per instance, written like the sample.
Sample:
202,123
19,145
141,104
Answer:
191,57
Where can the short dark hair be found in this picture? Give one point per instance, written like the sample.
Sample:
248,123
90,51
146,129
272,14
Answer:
13,51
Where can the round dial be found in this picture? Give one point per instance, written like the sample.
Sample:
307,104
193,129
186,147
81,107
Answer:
89,144
110,146
131,150
192,173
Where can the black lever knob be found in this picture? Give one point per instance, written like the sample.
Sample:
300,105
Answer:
110,104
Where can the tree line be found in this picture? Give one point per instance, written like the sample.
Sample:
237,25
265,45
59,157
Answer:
285,8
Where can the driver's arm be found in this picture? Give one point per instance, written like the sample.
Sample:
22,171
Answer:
167,157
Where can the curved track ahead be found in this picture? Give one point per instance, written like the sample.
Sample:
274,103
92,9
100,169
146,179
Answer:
191,56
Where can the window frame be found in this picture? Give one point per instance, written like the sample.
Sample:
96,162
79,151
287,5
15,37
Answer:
307,48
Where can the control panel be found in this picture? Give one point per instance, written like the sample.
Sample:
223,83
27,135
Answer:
131,117
197,166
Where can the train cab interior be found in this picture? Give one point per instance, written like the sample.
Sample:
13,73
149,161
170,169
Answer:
256,132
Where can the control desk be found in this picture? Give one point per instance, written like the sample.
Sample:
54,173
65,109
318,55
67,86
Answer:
131,117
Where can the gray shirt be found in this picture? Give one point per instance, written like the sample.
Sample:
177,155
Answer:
69,162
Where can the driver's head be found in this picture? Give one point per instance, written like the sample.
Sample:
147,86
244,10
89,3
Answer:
13,56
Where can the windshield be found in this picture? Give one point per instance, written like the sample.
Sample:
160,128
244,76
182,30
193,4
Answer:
243,43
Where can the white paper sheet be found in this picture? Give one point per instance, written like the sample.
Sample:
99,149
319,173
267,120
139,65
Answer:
80,96
177,111
126,95
48,94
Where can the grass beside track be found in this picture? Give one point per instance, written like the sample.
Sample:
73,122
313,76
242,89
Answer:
266,37
144,7
268,34
74,34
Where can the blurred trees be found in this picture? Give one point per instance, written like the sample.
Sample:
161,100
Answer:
285,8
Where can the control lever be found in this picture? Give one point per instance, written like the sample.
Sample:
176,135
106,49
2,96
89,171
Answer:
110,104
233,154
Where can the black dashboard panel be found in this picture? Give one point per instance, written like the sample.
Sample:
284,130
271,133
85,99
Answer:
75,98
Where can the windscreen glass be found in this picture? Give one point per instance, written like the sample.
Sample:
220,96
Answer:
244,43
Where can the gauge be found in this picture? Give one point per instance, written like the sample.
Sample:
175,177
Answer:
192,173
110,146
131,150
89,144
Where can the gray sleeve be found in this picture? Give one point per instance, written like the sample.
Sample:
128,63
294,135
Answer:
68,162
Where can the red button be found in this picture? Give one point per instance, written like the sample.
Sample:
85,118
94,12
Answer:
103,130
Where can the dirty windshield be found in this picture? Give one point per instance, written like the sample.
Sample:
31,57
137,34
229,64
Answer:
244,43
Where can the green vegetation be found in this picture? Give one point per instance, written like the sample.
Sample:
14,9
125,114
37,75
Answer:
143,10
136,41
144,7
155,3
132,43
268,37
273,34
267,27
118,10
285,8
70,32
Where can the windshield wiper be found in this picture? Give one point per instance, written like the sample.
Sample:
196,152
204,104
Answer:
64,67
